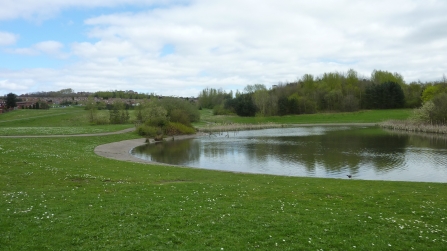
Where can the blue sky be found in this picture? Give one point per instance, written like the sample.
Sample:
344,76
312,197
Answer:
179,47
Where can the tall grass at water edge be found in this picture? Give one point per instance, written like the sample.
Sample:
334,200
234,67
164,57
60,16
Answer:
412,126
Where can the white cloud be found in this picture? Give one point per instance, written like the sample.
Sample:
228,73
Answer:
246,42
8,86
50,48
7,38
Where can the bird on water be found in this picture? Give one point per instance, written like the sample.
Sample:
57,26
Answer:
349,176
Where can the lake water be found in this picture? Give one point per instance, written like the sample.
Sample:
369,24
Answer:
369,153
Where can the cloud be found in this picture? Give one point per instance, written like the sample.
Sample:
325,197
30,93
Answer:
8,86
167,50
45,9
50,48
7,38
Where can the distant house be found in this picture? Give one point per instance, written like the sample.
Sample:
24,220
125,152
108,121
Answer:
24,104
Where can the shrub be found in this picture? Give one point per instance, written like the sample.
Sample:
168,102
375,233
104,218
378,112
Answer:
178,129
157,121
100,120
187,107
434,111
148,131
179,116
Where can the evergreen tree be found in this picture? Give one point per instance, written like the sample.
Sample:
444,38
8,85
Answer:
11,100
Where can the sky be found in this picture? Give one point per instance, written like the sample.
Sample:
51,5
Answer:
180,47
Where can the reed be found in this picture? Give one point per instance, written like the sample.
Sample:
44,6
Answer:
413,126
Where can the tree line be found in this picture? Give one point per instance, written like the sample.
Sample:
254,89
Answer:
331,92
121,94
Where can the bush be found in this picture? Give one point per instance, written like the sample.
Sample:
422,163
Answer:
178,129
148,131
179,116
434,111
100,120
157,121
185,106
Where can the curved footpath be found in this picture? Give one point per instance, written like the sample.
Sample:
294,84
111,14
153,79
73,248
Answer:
73,135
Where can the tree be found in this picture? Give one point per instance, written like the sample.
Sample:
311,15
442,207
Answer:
209,97
261,99
11,100
118,114
243,105
430,92
350,103
388,95
433,111
283,106
413,93
439,115
187,107
380,77
90,106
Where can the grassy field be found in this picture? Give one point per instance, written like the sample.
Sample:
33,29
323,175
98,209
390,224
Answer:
367,116
56,194
62,121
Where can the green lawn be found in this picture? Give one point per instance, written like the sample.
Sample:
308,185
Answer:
367,116
56,194
61,121
59,190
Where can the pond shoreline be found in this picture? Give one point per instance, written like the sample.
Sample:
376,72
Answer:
242,127
122,150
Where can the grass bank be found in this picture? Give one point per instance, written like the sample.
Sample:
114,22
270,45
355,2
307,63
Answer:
55,121
230,122
57,189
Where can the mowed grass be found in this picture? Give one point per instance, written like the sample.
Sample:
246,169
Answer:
56,194
55,121
365,116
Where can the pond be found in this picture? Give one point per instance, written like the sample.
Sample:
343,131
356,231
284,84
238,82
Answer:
369,153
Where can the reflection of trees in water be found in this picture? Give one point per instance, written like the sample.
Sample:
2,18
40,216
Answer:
336,150
420,139
173,152
215,150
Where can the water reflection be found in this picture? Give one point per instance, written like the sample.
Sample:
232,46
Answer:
367,153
